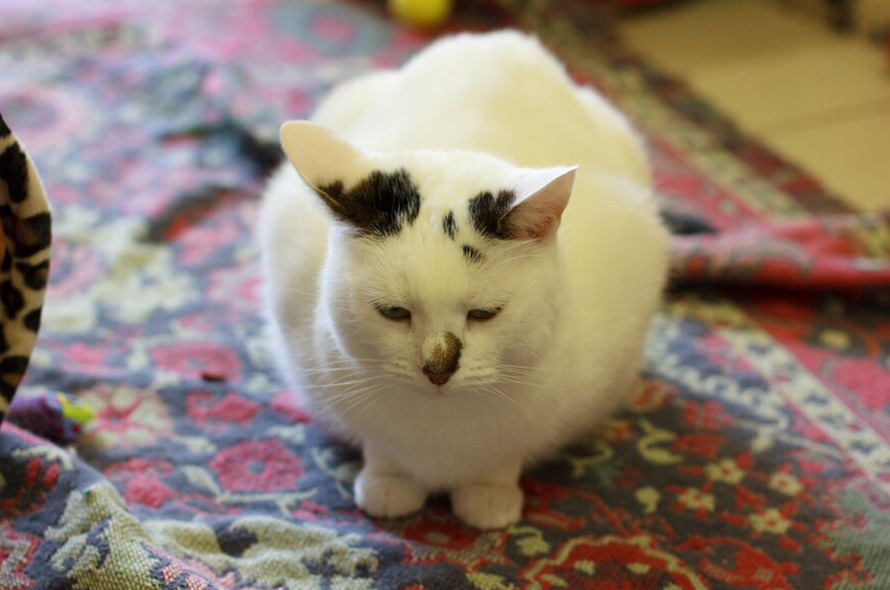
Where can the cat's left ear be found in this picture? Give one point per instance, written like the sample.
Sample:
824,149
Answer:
542,197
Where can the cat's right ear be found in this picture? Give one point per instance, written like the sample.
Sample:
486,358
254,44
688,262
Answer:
321,158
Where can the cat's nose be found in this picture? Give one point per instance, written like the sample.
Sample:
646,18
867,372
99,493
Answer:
443,360
437,378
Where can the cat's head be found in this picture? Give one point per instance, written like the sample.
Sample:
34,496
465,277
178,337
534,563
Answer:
442,266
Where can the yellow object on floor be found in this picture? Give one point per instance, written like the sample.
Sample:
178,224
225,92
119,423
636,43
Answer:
421,13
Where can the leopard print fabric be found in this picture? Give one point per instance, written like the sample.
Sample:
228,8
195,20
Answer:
26,237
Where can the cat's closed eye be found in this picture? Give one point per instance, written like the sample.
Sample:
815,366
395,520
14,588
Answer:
482,315
395,313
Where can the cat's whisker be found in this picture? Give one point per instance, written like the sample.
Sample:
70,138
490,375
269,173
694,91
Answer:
291,290
505,251
516,372
371,400
500,395
508,366
340,372
522,379
340,384
506,248
521,383
349,361
329,370
348,399
512,371
333,399
356,394
514,259
360,399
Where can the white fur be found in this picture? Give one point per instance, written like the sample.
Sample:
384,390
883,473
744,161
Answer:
462,117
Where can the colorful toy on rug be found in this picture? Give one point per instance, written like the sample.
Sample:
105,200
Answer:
421,13
54,416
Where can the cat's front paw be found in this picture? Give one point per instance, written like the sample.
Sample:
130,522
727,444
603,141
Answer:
487,506
388,496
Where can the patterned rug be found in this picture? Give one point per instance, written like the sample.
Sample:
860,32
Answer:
757,454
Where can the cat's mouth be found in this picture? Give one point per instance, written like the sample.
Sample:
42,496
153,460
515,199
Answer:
436,383
437,378
440,382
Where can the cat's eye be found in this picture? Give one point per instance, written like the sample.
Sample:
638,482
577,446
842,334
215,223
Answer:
395,313
482,315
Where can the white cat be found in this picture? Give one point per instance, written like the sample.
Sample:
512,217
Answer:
432,288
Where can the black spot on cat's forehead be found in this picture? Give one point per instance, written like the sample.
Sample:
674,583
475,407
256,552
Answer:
491,215
450,225
472,254
379,205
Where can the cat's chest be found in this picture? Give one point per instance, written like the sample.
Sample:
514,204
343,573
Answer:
468,421
439,445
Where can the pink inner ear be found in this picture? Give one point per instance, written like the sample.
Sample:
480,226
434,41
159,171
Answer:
535,221
539,214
